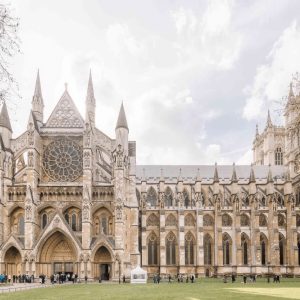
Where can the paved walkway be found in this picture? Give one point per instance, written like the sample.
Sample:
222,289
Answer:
7,288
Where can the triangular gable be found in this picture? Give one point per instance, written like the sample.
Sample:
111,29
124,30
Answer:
57,223
65,114
11,241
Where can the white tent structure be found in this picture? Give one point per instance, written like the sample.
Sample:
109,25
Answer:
138,275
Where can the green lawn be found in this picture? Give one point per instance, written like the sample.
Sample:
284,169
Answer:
202,289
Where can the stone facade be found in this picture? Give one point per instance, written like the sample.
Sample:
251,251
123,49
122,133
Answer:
73,200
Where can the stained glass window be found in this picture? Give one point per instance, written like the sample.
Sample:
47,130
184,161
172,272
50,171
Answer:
62,160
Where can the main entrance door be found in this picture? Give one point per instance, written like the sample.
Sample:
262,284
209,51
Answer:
104,271
103,264
57,256
13,262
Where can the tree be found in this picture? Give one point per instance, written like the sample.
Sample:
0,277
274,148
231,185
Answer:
9,47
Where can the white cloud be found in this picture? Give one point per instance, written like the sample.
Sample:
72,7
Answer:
209,38
271,80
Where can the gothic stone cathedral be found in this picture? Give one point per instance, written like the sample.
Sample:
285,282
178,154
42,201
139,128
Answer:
73,200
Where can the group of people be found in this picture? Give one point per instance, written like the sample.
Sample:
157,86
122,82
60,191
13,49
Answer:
61,278
180,278
24,278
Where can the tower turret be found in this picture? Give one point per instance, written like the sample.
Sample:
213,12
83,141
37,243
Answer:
122,132
5,126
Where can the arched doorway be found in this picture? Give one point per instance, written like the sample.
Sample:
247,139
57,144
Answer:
13,261
58,256
103,264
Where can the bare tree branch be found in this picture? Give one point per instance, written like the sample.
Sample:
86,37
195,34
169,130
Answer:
9,47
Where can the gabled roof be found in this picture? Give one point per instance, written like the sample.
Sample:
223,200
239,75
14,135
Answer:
65,114
4,118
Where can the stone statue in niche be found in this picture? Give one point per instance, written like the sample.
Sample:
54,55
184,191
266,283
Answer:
119,156
31,135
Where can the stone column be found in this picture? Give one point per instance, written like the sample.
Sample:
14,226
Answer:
162,243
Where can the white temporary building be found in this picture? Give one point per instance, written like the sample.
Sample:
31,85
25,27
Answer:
138,275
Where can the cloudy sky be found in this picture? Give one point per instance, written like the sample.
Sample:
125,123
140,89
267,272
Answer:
195,76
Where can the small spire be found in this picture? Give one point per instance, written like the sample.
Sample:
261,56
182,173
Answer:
122,121
179,176
66,86
269,121
38,89
198,177
4,117
216,175
90,97
270,176
234,177
252,175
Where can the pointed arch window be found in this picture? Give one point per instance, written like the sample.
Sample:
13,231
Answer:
189,249
208,220
168,197
189,220
262,220
171,249
281,249
152,249
207,250
152,196
281,220
44,220
263,249
186,198
226,250
245,249
278,156
245,221
21,225
67,217
153,220
104,224
226,220
74,221
171,220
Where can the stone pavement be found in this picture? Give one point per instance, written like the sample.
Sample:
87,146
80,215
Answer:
16,287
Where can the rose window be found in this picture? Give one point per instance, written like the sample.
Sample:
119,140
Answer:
62,160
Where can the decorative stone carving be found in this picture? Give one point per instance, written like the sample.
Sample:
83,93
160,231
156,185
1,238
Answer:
119,156
65,114
189,220
297,163
28,212
226,220
30,135
87,159
153,220
171,220
208,220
